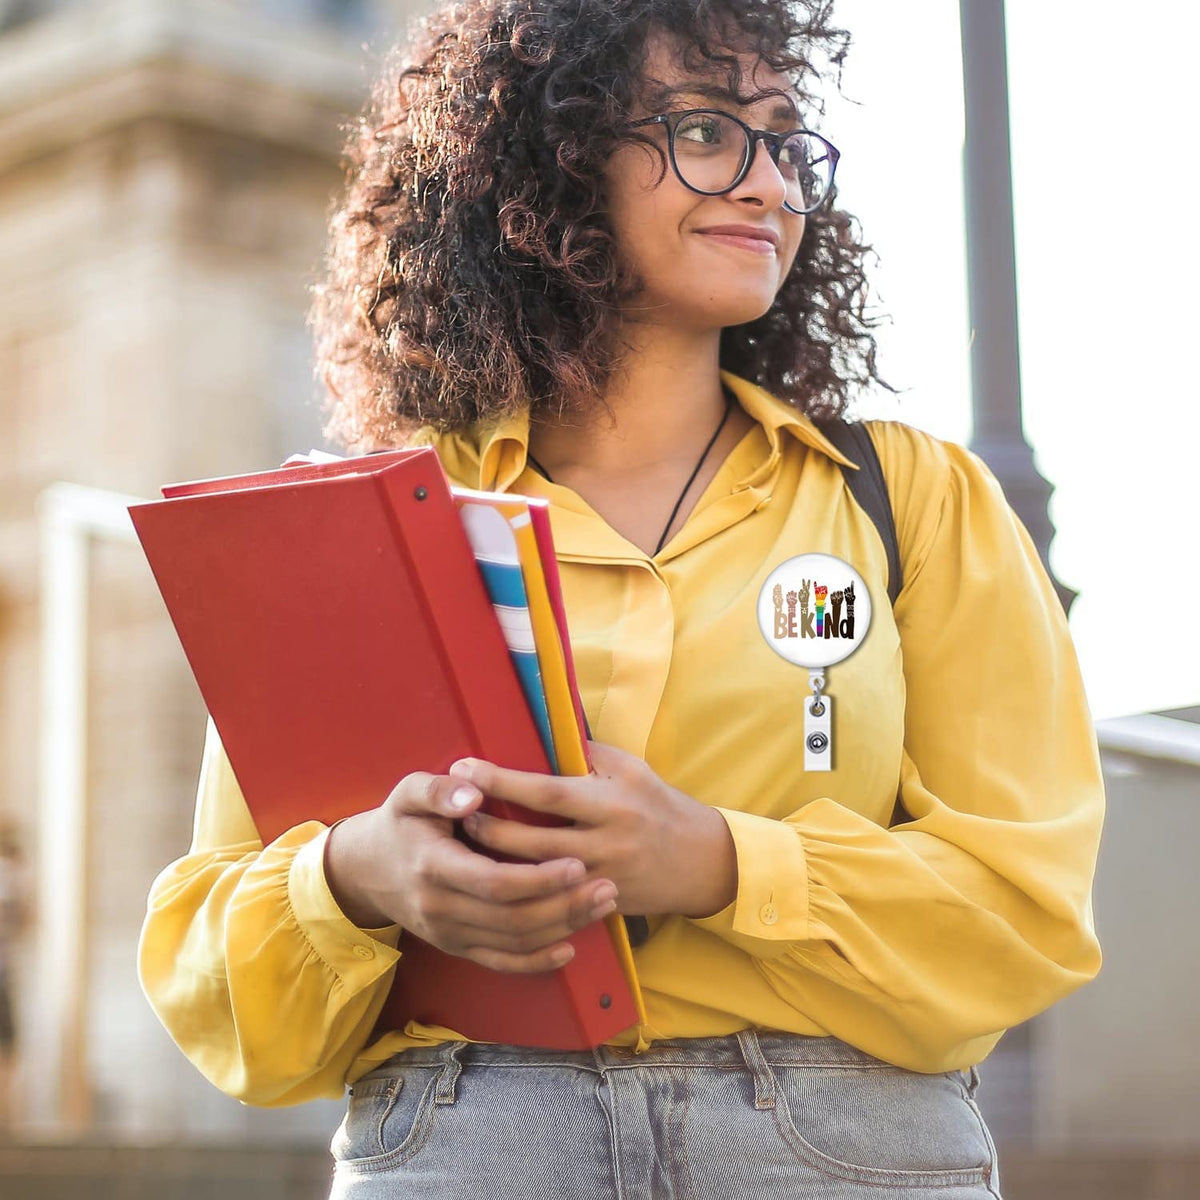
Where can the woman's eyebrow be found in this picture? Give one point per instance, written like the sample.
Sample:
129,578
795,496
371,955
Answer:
713,91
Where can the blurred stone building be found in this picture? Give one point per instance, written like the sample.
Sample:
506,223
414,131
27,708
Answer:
166,167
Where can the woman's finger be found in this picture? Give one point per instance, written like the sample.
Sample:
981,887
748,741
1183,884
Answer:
539,843
456,867
567,796
525,926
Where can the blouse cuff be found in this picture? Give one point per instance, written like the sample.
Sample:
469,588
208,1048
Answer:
771,907
358,956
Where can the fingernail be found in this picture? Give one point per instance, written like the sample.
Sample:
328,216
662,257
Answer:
576,871
462,797
602,910
604,894
461,769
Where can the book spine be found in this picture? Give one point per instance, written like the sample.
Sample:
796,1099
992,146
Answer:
426,523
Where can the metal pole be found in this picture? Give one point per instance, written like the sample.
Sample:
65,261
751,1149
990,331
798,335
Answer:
999,438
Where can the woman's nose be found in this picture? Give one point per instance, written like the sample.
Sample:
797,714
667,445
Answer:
763,179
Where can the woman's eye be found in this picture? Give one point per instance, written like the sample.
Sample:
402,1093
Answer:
796,158
700,129
792,166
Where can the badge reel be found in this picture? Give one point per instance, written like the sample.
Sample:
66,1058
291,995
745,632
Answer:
814,610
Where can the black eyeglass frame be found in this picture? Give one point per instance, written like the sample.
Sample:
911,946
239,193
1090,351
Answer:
773,140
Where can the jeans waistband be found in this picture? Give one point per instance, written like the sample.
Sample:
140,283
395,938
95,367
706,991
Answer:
748,1047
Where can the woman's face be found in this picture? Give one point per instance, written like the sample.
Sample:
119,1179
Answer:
692,277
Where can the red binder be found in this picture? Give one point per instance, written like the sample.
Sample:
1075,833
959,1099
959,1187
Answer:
341,636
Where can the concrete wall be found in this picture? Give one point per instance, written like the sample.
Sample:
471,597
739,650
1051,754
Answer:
1119,1062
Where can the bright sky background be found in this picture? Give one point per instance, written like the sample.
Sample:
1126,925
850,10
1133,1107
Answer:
1106,278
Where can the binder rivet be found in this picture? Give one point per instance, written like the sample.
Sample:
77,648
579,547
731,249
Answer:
420,493
605,1000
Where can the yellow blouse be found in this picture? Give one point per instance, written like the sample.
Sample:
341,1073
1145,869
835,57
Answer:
919,944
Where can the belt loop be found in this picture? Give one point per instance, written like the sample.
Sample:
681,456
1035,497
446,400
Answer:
448,1076
972,1080
764,1080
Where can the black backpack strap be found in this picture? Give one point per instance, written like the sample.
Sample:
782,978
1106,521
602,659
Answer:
869,488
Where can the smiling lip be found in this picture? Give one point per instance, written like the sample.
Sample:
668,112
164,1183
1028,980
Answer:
748,237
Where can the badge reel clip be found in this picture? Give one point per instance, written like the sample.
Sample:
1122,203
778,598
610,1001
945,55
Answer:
815,635
818,725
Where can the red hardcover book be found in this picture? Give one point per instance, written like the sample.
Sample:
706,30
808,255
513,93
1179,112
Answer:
341,636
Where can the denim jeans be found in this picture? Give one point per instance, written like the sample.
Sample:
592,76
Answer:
756,1114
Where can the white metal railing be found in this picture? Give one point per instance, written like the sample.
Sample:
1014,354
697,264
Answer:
1149,735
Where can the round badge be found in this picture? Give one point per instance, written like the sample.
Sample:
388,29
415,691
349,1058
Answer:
814,610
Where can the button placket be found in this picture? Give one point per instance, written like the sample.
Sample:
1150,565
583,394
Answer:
641,662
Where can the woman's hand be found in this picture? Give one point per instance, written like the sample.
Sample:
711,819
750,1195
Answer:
401,864
666,852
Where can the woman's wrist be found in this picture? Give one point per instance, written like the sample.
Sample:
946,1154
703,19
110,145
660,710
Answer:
713,885
348,864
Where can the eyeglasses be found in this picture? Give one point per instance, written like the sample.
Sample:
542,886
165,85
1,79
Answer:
711,152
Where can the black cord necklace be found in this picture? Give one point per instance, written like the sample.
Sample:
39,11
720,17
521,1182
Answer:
695,472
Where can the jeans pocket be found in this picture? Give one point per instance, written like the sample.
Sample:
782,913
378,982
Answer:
388,1118
882,1125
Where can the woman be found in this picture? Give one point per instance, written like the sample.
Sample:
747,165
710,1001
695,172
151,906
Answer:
587,253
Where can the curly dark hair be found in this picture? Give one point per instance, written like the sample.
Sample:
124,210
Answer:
470,266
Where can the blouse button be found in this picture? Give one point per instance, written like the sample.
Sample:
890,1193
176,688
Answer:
364,951
769,914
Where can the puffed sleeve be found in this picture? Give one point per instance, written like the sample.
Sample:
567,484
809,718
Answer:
246,958
922,943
